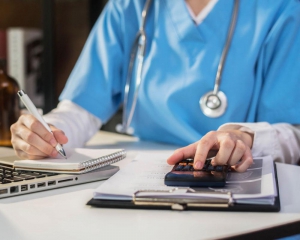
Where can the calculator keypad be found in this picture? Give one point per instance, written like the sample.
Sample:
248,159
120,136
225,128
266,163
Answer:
187,165
183,174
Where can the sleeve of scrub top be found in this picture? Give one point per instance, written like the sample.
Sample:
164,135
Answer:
278,67
278,105
78,124
281,140
95,83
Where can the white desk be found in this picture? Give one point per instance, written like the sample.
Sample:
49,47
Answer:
63,214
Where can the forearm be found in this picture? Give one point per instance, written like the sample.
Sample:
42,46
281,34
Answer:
281,140
78,124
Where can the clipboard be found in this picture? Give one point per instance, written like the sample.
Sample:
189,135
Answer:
188,204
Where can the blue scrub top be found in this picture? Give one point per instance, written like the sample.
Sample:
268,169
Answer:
261,78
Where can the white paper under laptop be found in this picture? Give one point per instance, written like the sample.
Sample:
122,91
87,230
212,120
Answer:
146,172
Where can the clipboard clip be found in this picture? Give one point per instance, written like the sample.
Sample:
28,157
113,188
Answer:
180,203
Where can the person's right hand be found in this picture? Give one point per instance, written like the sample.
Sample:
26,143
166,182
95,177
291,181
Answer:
31,140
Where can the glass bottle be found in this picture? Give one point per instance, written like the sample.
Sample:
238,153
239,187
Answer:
9,101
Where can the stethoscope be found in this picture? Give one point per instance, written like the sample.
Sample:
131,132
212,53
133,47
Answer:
213,104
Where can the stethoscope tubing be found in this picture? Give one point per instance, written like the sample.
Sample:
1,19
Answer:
138,50
226,47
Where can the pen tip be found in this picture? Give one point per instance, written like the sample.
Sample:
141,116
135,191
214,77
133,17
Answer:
62,153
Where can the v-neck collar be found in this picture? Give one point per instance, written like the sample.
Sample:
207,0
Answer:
185,26
203,13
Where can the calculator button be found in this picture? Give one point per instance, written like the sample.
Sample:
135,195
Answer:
186,168
210,168
191,168
219,168
178,167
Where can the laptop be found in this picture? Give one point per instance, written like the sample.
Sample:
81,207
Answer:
14,183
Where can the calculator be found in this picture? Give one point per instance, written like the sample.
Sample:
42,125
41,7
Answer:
183,174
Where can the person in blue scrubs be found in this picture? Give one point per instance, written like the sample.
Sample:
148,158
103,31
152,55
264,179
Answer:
261,78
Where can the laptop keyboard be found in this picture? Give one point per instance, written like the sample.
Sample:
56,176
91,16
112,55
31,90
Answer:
10,175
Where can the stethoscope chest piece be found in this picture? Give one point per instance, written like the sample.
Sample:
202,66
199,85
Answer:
213,104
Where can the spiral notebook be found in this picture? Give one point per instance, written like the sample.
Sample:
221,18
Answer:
79,160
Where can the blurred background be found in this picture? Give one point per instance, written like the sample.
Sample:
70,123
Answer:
64,26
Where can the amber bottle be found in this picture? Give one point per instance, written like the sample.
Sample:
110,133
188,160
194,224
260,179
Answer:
9,102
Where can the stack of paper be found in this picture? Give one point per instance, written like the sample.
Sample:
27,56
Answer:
146,175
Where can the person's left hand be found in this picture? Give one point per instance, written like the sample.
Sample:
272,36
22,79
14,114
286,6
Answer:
232,147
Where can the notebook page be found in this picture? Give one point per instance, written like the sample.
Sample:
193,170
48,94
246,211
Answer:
7,155
74,158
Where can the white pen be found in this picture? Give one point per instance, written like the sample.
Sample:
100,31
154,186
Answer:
32,109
